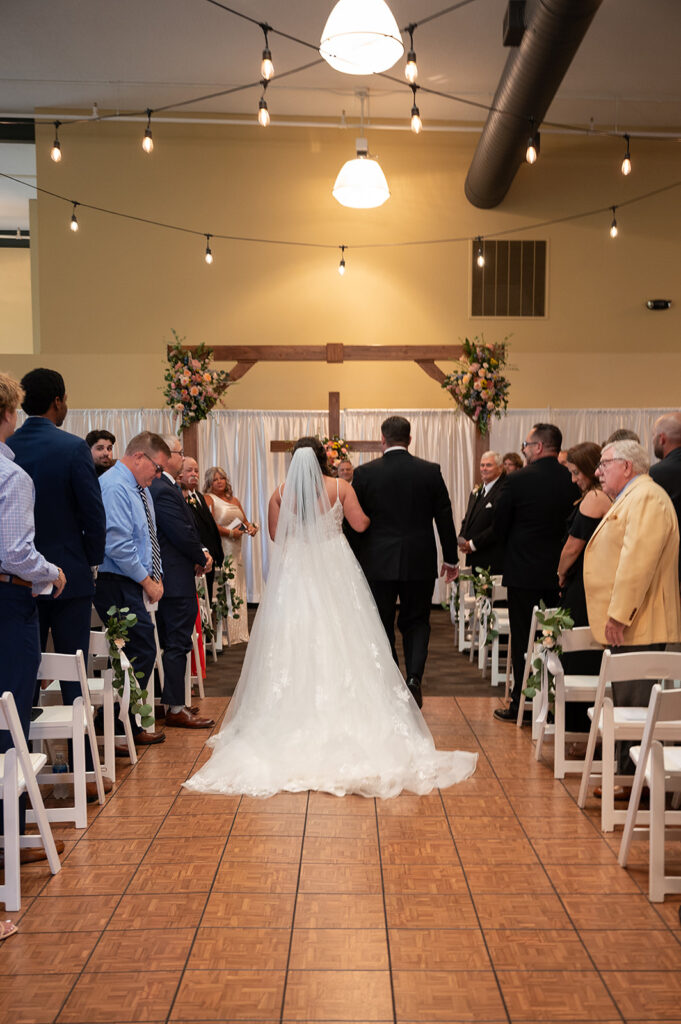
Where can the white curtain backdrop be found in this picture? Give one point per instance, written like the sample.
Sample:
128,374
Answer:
576,424
124,424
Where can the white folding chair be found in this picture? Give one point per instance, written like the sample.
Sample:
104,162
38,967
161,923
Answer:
102,695
659,768
569,689
466,609
206,615
70,722
157,670
188,676
18,769
490,652
529,658
612,723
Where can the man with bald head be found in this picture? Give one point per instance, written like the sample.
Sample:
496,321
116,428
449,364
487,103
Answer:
667,448
203,517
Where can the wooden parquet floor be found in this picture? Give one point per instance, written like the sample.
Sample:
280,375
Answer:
493,901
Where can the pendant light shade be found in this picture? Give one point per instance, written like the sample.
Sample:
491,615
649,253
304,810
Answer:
361,37
361,183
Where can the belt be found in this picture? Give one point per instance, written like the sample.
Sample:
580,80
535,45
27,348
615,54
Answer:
4,578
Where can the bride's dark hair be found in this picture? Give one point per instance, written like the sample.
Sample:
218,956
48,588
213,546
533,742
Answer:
318,448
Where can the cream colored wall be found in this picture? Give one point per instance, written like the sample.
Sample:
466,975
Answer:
15,301
110,295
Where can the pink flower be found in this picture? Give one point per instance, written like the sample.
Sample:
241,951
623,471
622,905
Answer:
194,390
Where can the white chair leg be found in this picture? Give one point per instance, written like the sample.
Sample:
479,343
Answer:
656,886
132,749
79,795
632,813
42,821
559,739
11,890
197,661
109,738
588,763
608,768
188,682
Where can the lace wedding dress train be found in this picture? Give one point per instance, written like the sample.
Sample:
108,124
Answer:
320,703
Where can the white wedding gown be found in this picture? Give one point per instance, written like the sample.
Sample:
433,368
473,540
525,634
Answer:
320,703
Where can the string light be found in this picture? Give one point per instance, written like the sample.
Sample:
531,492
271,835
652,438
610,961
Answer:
626,163
266,65
532,145
411,71
480,255
55,152
416,122
74,219
341,265
209,252
613,224
263,112
147,141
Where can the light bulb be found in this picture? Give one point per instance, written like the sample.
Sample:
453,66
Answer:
416,122
531,154
341,267
626,163
411,71
613,226
55,152
263,113
266,65
480,258
74,219
147,141
209,252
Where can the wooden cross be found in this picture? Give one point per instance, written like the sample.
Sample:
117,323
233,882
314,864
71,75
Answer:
334,431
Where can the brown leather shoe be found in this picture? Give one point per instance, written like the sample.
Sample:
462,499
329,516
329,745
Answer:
145,739
91,788
184,719
619,792
34,854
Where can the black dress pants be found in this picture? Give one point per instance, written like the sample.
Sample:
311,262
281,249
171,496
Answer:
521,601
413,619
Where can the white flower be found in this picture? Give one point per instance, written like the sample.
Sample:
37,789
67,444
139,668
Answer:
119,643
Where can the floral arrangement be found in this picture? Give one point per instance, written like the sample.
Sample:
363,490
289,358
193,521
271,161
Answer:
483,586
336,449
191,387
479,386
119,622
552,624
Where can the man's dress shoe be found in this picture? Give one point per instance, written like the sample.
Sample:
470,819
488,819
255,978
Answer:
506,714
91,788
142,739
184,719
414,687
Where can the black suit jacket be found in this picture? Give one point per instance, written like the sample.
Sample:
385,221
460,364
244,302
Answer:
178,537
530,518
478,526
667,474
402,495
70,524
206,526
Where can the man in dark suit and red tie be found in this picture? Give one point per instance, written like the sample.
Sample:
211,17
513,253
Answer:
478,539
183,558
403,495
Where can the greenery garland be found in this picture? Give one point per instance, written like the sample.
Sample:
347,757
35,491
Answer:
483,587
552,625
119,622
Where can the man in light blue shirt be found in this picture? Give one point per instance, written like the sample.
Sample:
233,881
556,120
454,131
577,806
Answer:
131,574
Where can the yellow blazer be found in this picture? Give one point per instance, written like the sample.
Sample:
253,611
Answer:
631,567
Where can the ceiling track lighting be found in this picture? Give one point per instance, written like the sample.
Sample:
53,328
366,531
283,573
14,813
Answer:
532,151
341,265
208,256
266,65
361,37
613,224
626,163
263,112
479,253
411,71
74,219
416,122
55,152
147,141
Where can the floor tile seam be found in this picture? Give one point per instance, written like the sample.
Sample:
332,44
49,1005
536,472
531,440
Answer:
475,911
386,928
293,916
196,930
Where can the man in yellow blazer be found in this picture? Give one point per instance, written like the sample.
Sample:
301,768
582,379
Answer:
631,562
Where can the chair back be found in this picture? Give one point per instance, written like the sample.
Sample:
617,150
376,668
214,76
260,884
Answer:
9,721
499,592
95,621
641,665
66,667
99,644
579,638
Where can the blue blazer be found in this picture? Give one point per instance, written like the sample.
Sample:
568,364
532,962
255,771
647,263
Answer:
70,525
178,537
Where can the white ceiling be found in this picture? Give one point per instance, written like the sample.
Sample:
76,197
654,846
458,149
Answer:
127,55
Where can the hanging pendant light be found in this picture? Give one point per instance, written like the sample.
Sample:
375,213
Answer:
361,37
361,184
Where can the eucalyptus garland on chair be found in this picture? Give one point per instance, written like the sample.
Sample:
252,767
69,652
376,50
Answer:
483,587
119,621
224,606
546,655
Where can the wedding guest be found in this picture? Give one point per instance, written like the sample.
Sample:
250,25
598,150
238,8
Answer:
511,462
183,558
667,448
345,470
530,519
130,575
622,434
23,572
226,509
631,573
478,539
203,518
69,520
563,456
100,443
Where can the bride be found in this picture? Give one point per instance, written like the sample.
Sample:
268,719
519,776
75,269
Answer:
320,703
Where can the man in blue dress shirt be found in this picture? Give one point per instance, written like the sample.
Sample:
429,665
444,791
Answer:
130,575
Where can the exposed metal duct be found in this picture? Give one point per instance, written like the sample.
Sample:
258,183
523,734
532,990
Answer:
530,80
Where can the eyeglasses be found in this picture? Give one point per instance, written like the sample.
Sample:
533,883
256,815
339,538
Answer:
159,469
178,451
528,444
606,462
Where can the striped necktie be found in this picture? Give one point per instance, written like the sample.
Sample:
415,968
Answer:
155,549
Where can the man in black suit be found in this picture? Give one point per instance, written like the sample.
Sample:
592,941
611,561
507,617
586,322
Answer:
478,539
183,558
402,495
667,448
209,534
530,520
